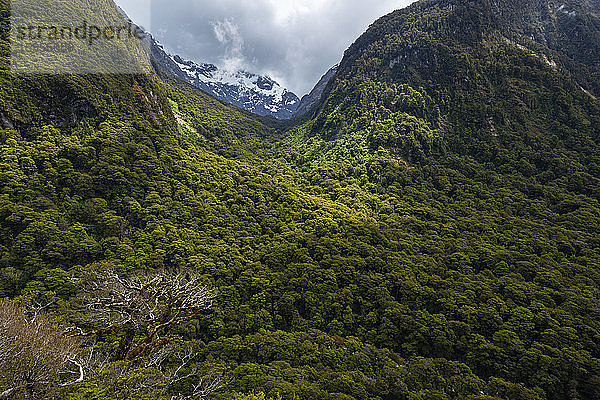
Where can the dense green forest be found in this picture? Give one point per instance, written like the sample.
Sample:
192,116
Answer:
431,232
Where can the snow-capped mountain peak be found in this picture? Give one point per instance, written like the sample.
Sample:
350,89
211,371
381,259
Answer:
258,94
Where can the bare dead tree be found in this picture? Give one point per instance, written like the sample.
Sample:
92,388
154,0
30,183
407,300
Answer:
35,357
182,369
204,386
147,304
150,304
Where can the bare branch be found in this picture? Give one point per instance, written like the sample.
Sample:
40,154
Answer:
79,365
148,302
34,354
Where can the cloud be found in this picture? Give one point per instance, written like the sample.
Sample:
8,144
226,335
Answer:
293,41
228,35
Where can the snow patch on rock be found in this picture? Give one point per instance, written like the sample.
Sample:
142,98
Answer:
259,94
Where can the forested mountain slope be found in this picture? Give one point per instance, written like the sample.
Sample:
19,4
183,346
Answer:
482,77
431,234
480,120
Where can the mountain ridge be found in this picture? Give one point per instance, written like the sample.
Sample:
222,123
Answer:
452,55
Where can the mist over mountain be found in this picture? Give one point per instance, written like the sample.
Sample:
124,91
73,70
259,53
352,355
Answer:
257,94
293,42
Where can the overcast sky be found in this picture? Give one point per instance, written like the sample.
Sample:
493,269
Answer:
293,41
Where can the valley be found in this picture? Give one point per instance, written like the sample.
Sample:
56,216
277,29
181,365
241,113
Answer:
428,227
